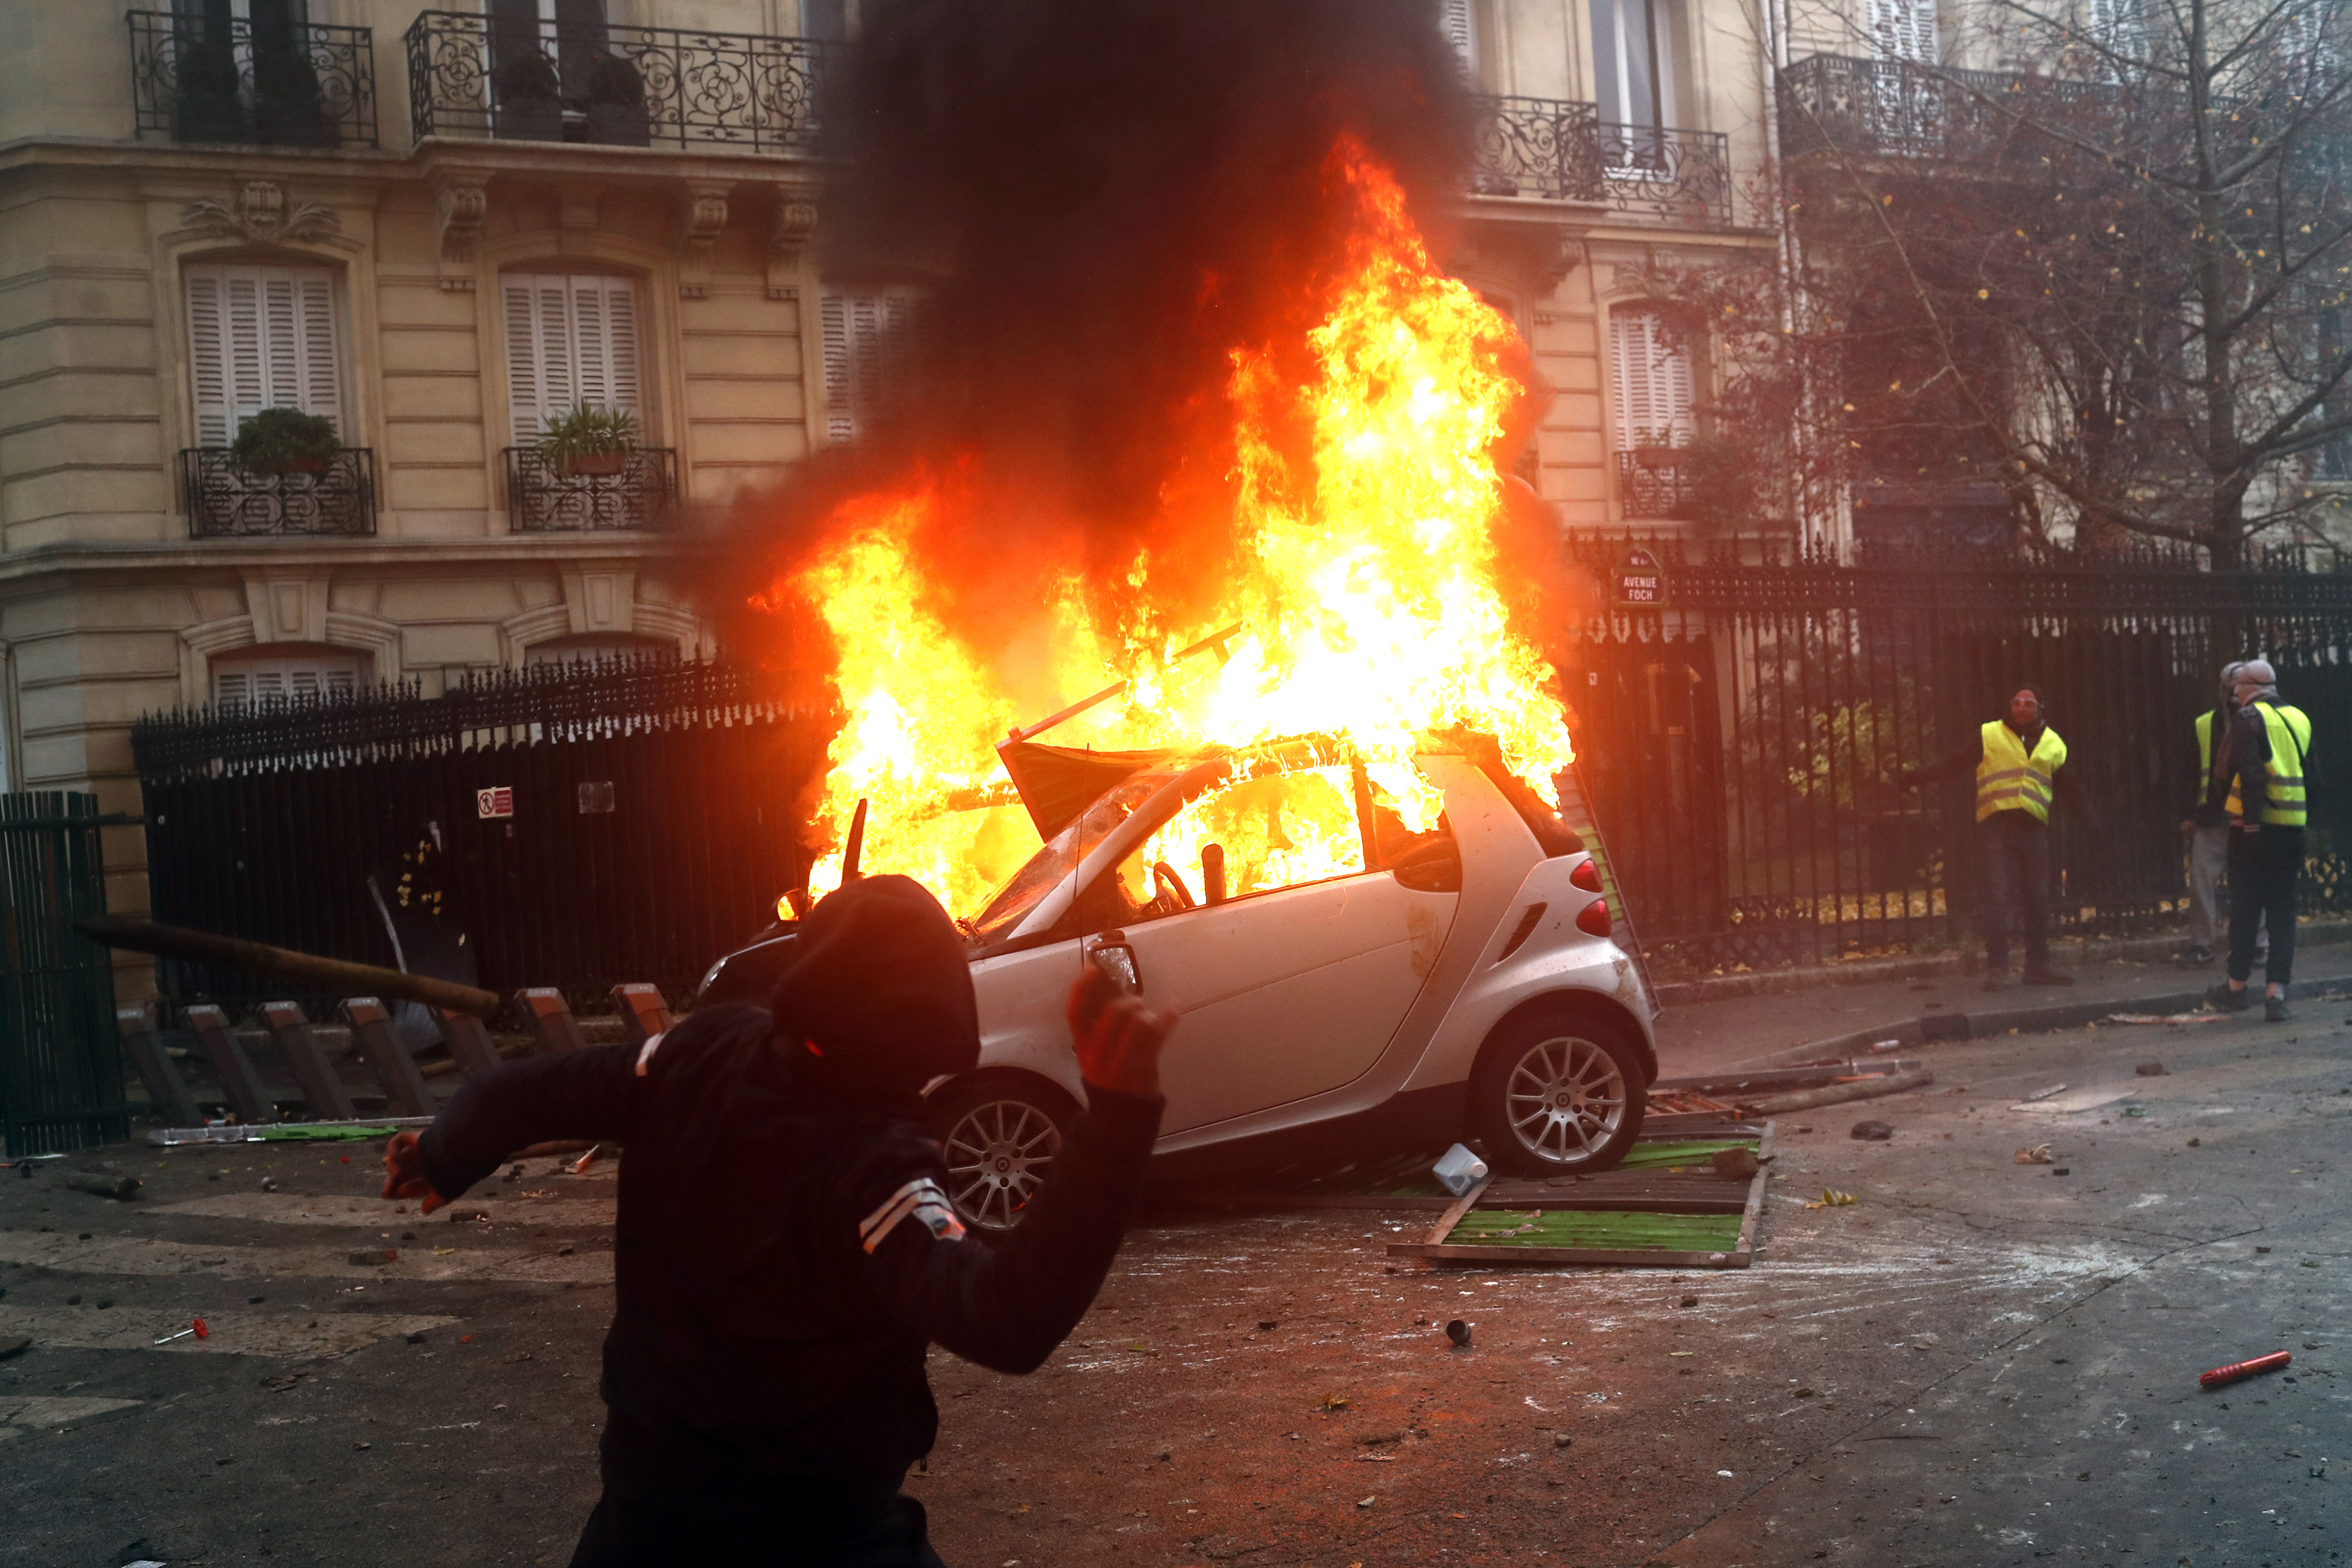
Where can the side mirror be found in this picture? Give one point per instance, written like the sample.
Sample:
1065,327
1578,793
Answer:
1213,873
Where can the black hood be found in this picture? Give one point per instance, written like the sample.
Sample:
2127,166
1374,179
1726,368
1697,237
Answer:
881,990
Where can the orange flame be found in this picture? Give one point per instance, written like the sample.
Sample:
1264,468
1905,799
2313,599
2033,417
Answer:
1366,592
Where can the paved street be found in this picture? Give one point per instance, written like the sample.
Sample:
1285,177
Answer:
1981,1361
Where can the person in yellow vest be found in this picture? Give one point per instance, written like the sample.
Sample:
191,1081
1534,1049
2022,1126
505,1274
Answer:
2207,826
2020,768
2266,746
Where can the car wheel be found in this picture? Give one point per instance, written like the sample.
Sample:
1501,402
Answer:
1553,1093
1000,1136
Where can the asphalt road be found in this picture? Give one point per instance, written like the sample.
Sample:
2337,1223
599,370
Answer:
1979,1363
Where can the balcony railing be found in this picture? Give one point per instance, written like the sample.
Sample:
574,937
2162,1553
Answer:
204,79
1656,482
225,501
1907,109
1558,151
469,75
542,498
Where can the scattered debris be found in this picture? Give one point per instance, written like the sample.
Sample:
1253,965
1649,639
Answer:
2151,1069
1335,1402
2163,1019
1460,1170
2195,1142
182,1334
1834,1199
1459,1332
119,1188
268,1184
2136,1112
2238,1370
1687,1301
13,1343
2062,1171
1562,1440
374,1257
2037,1155
1740,1163
1862,1086
1266,1325
2056,1089
1871,1132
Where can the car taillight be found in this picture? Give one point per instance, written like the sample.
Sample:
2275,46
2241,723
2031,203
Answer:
1586,875
1593,919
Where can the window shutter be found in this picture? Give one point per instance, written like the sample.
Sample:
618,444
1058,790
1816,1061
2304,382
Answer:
1905,29
1459,22
868,358
261,337
570,340
244,681
1653,381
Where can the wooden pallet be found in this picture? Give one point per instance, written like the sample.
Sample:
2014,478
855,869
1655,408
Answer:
1439,1250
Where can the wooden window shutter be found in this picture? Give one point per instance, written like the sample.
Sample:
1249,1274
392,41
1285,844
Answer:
261,337
1458,20
1905,29
868,358
570,339
1651,380
833,317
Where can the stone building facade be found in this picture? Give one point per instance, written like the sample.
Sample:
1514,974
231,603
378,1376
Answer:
435,229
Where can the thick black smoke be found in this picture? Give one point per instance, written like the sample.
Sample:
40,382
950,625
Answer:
1100,200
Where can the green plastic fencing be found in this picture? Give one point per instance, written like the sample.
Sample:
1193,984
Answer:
1619,1229
61,1060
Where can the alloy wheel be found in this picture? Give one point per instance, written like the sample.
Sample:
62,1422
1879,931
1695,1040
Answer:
1564,1098
999,1153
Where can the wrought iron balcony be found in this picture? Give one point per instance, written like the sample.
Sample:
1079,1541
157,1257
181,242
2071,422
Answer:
469,75
221,78
1558,151
638,491
225,501
1905,109
1656,482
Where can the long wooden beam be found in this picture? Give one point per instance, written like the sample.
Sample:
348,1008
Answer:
326,976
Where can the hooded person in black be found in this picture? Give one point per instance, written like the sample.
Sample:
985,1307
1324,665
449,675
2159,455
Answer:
786,1250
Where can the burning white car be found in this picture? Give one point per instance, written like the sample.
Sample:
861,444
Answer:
1347,979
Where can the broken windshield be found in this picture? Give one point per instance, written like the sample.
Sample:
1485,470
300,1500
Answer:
1062,854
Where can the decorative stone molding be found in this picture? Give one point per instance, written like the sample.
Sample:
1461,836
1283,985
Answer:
601,598
463,202
287,606
575,207
682,626
259,213
518,633
792,224
701,219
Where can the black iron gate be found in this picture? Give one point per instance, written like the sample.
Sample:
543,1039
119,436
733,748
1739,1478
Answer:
60,1071
562,826
1741,740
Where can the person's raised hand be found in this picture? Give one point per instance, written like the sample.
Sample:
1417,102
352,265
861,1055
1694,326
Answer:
1116,1036
403,1173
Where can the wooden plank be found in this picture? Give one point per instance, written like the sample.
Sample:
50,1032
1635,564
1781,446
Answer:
1443,1253
1756,1193
1406,1202
1453,1215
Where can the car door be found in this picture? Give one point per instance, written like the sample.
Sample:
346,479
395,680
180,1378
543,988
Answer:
1291,984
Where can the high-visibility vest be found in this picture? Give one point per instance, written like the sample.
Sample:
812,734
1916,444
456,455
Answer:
2009,780
2290,735
2204,751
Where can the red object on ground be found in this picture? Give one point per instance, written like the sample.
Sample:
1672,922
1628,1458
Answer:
2239,1369
202,1332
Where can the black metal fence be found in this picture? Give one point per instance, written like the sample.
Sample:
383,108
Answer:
568,825
471,74
1741,741
205,77
227,501
60,1069
548,498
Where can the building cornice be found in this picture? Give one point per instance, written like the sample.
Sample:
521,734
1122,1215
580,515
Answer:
42,564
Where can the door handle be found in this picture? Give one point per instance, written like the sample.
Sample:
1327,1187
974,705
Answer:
1112,953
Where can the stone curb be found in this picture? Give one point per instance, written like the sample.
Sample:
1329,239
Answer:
1777,982
1911,1032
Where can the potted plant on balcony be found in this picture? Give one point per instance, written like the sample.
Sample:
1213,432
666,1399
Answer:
285,441
617,103
289,110
207,106
529,99
588,441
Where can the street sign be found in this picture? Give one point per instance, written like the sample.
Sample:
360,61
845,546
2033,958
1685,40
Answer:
497,802
1640,579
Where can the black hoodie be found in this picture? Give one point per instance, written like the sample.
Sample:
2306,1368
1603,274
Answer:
785,1251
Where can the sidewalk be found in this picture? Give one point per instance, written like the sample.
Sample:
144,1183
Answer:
1752,1031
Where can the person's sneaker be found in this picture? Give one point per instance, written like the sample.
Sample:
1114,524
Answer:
2274,1009
2196,956
2048,977
2228,1000
1996,979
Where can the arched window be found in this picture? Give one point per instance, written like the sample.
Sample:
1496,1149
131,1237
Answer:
245,681
1652,376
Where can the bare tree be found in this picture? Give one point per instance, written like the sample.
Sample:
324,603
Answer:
2114,283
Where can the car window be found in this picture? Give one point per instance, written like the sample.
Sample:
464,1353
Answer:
1272,832
1047,868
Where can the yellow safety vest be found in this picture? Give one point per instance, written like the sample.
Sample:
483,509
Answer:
2204,751
2290,735
2009,780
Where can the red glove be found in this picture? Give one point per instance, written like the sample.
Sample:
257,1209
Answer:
404,1174
1116,1037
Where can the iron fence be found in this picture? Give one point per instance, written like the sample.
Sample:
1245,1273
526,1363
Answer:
227,500
218,78
548,498
1742,742
471,74
60,1068
570,825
